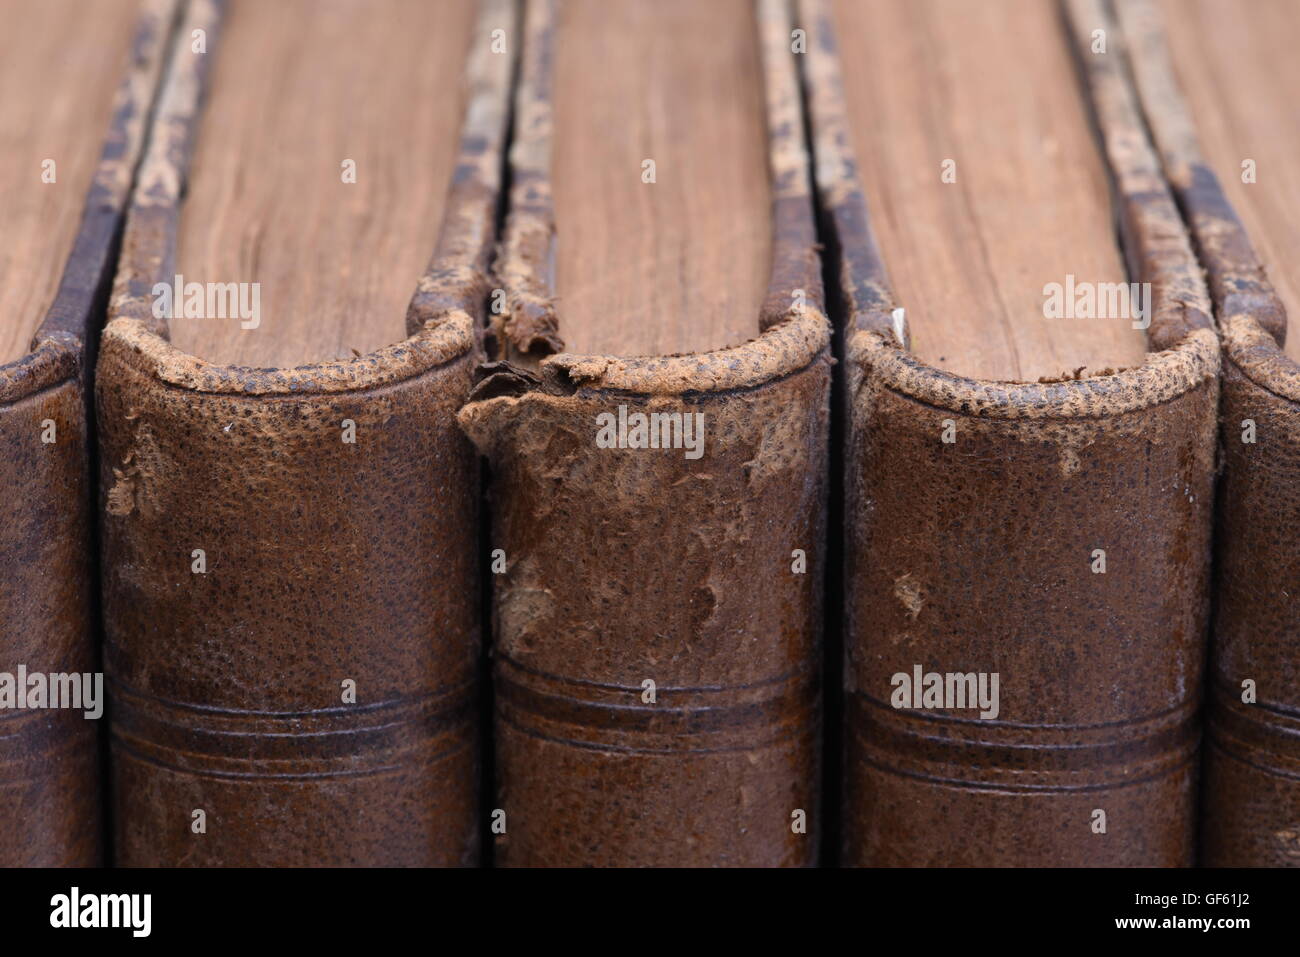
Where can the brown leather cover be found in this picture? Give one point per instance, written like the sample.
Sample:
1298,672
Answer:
326,561
627,566
1251,794
976,556
49,762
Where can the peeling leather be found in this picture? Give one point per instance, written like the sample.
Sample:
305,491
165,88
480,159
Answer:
326,561
625,566
1100,674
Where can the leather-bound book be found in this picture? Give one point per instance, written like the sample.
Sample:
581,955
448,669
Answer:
69,72
1219,83
288,508
1030,438
657,431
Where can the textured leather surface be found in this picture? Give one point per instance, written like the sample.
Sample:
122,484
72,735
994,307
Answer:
325,561
49,779
601,594
1252,776
1251,813
50,800
626,566
976,555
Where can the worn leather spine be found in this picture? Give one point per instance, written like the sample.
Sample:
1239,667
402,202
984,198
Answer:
1251,786
325,561
50,799
977,555
634,566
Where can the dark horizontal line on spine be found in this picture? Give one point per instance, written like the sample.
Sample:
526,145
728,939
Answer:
117,690
626,749
119,742
701,689
924,715
1027,788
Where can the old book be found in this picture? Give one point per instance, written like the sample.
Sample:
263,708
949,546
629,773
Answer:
288,508
63,189
1218,82
1028,481
659,491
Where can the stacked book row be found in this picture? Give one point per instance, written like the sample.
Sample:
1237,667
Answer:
843,431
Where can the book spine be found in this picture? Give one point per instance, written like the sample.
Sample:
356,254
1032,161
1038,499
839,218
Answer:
976,570
49,776
290,556
51,689
1252,753
1252,773
657,609
291,621
1026,564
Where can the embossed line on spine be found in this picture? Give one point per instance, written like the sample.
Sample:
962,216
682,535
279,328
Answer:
979,754
1266,737
333,742
610,717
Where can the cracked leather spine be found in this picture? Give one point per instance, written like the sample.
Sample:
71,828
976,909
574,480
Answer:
629,566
